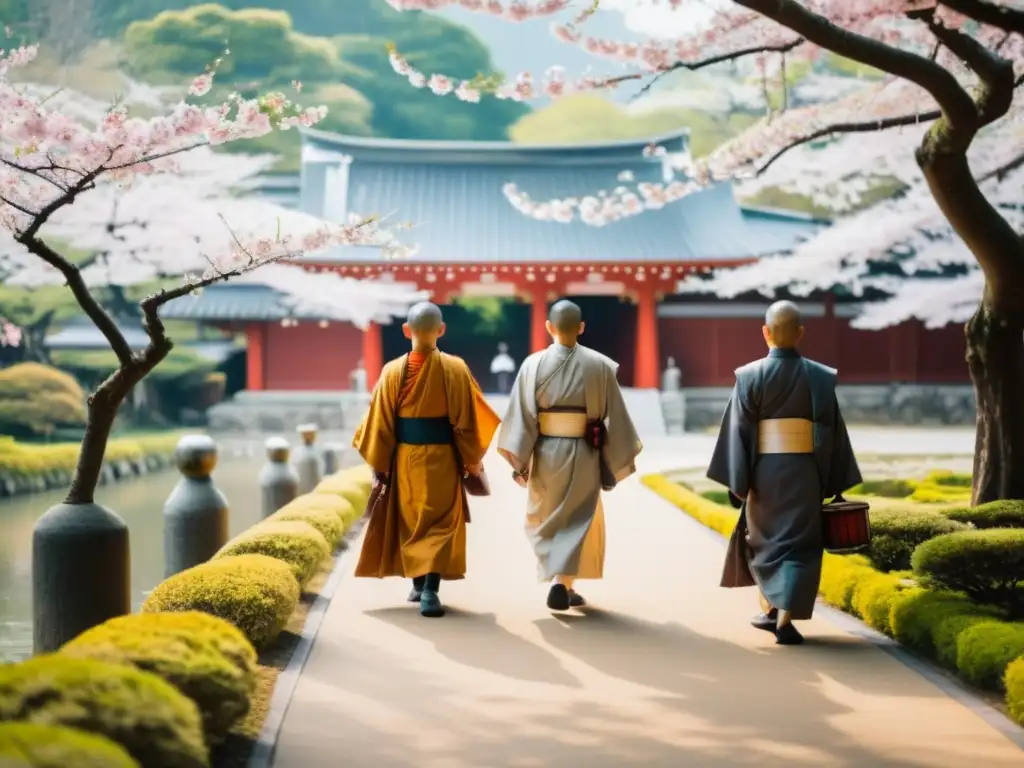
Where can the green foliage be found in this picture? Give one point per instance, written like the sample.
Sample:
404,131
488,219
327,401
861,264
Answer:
1007,513
31,745
294,542
338,44
181,361
256,593
29,461
36,400
263,46
147,716
717,495
987,565
187,653
895,533
1013,680
890,488
588,117
327,514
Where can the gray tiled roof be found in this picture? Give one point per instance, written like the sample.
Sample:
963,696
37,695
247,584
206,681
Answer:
452,191
228,302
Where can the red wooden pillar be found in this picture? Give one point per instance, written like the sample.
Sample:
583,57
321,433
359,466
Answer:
255,358
539,339
645,367
373,354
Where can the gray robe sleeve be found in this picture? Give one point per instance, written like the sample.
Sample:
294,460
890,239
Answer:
622,444
520,427
837,465
843,472
733,460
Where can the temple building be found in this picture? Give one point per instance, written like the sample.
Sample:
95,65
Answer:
471,242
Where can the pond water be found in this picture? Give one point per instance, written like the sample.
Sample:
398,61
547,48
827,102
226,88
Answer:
140,502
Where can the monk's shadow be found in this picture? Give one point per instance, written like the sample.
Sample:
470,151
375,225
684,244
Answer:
771,693
477,640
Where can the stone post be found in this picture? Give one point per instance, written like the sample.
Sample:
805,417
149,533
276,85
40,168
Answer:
332,459
279,482
196,512
81,572
307,458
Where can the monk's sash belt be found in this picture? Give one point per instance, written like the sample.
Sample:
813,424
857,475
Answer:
424,431
571,423
785,436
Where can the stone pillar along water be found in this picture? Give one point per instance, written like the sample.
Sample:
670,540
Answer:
196,512
279,482
307,458
81,572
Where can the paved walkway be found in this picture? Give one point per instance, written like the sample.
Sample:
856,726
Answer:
662,670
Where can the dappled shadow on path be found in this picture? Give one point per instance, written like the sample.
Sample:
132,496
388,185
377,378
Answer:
776,702
601,690
477,640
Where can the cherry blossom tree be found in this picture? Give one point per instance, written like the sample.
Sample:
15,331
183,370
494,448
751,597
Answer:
952,67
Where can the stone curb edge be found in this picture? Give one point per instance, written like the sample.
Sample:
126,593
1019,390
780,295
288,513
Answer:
933,674
263,751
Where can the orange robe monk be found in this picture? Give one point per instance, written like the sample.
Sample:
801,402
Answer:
427,422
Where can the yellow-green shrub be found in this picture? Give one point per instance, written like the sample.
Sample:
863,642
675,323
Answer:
327,518
186,658
338,505
715,516
897,532
30,460
891,488
36,399
256,593
1006,513
30,745
152,720
1014,683
986,649
293,542
345,489
873,597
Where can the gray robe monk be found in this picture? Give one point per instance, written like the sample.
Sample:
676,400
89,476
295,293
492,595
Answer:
567,474
777,543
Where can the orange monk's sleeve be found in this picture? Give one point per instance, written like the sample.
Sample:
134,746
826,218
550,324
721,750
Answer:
475,422
375,437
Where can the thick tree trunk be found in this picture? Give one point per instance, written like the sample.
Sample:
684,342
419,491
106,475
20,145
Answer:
995,358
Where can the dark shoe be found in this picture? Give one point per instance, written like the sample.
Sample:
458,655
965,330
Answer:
430,604
765,621
576,599
417,589
787,634
558,598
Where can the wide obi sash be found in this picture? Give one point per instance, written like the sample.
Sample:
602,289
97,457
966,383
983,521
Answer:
785,436
571,422
435,430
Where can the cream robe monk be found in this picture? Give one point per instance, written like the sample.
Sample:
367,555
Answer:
560,398
427,424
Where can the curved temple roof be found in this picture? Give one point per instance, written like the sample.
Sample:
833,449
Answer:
452,193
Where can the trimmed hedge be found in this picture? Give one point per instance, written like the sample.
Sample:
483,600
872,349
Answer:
185,652
888,488
1008,513
940,486
30,745
895,533
971,639
256,593
1014,682
152,720
352,484
987,565
330,515
294,542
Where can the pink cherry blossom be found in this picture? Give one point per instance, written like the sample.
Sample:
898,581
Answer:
201,85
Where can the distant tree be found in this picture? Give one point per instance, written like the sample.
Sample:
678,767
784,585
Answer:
585,117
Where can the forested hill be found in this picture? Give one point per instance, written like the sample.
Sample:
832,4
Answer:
337,48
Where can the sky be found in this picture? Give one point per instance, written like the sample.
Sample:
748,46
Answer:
655,18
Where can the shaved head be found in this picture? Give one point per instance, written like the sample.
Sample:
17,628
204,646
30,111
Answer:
565,317
424,317
783,324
